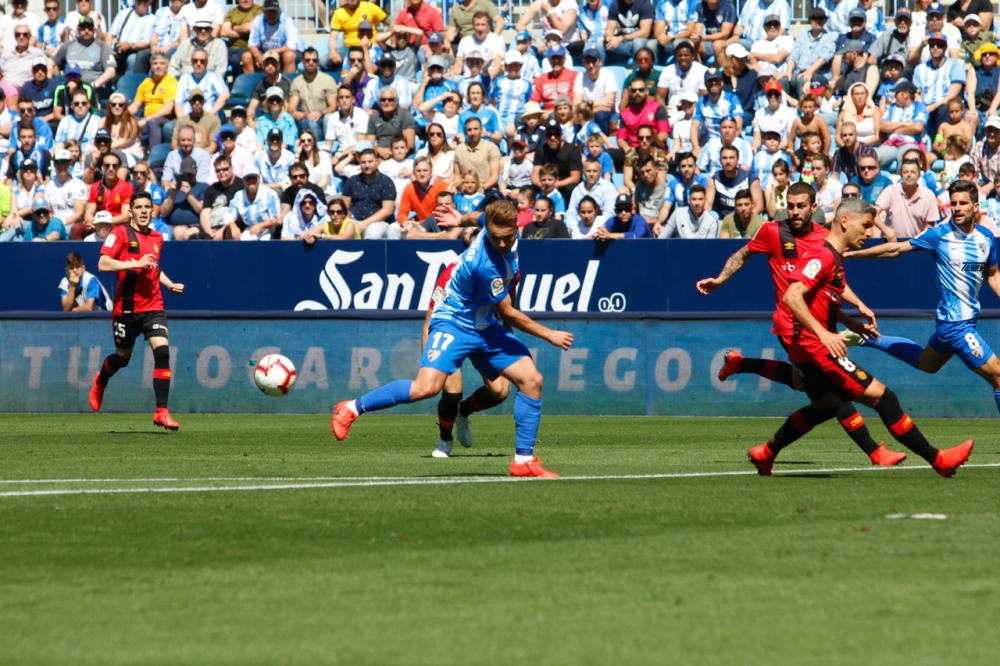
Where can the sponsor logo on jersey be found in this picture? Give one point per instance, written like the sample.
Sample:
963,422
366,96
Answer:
789,246
812,268
110,241
861,375
496,286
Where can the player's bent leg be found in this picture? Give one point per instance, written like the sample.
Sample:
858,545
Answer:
447,410
428,382
854,425
112,363
795,427
490,394
904,349
777,371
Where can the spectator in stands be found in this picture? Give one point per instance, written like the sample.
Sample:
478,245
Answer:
370,197
684,74
204,10
297,178
983,83
600,88
275,162
40,91
743,222
679,186
592,21
895,41
277,118
317,161
812,53
130,37
346,22
211,85
556,15
709,156
307,219
859,110
49,33
16,15
63,95
17,61
871,181
80,290
857,32
182,61
395,43
169,29
67,195
556,82
27,152
80,125
476,105
240,158
27,117
388,79
845,159
389,122
420,196
599,190
109,193
650,189
920,50
902,126
218,201
730,179
624,223
155,99
236,31
272,32
775,117
712,108
544,224
642,111
510,92
257,207
419,20
440,153
344,125
986,155
272,77
940,79
84,10
313,95
205,125
769,54
94,57
673,22
691,221
909,206
40,225
186,148
645,147
481,41
853,67
184,201
565,156
125,131
714,22
475,154
461,17
630,28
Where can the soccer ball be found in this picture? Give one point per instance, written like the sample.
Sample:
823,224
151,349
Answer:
274,375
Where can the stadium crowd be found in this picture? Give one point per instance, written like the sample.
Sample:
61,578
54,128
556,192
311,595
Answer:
601,119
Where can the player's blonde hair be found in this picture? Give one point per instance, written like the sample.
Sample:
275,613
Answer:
501,213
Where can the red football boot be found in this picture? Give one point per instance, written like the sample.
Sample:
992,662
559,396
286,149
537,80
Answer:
763,459
163,419
884,457
96,396
532,468
949,460
340,422
731,362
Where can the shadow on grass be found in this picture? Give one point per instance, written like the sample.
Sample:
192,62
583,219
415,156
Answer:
141,433
456,474
460,455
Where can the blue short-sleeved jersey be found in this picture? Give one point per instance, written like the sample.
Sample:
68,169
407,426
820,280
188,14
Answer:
962,263
481,279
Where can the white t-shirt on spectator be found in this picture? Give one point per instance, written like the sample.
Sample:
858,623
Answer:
490,48
771,47
212,11
672,79
594,91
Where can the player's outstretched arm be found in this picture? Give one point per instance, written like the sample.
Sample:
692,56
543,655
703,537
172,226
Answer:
795,300
860,327
174,287
732,266
522,322
883,251
108,265
851,298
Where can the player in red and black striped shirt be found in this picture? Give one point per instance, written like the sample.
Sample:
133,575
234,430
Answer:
133,251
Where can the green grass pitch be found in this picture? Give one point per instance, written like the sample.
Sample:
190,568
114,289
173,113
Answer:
801,569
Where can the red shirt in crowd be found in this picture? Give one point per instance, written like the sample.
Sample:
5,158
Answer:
426,17
548,86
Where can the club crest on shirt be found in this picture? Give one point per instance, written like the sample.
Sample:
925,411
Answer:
812,268
496,286
433,354
110,241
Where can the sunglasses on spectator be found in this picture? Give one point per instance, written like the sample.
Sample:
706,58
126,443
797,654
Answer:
865,167
637,89
27,109
852,195
221,169
357,59
645,137
81,104
387,99
435,134
22,34
337,211
140,172
299,175
117,105
308,202
199,61
111,165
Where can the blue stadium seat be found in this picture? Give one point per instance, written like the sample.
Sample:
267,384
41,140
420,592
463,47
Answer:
129,84
158,156
620,74
243,88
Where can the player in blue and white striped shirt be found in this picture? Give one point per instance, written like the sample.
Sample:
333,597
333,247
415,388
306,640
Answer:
965,255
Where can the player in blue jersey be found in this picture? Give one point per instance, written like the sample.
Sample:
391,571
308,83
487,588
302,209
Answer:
965,254
465,325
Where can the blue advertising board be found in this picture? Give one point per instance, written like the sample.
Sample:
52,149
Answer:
655,367
645,277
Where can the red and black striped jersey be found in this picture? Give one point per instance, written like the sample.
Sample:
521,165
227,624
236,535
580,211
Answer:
137,290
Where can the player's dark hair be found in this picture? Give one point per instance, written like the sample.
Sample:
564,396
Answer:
964,186
799,189
742,194
140,195
696,188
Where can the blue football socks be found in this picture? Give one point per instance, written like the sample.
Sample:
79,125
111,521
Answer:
527,417
385,396
904,349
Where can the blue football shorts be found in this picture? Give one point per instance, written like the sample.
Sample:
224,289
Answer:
491,350
962,339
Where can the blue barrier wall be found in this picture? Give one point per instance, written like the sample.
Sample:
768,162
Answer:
558,276
615,367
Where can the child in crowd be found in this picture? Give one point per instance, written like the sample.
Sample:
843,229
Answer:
769,155
76,166
470,194
776,193
956,155
529,129
585,127
477,74
525,201
246,136
398,167
545,224
517,168
810,146
809,121
680,131
595,151
957,123
874,17
548,176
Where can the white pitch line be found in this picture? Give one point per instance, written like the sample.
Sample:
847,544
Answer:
447,481
171,479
